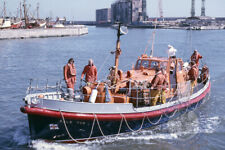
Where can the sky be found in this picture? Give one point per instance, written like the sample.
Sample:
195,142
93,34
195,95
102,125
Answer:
84,10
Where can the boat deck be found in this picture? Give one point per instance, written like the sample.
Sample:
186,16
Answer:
53,101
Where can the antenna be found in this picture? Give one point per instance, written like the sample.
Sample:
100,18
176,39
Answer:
37,10
160,8
4,10
20,11
25,13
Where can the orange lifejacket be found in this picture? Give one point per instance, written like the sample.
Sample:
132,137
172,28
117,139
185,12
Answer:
193,73
69,72
204,73
158,82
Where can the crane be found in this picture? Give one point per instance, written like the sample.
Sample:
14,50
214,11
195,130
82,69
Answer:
37,10
203,8
160,8
192,8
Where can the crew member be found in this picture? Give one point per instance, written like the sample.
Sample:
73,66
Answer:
156,88
204,74
192,75
171,52
112,73
90,72
164,87
70,76
195,57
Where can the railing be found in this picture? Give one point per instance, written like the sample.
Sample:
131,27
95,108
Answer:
139,88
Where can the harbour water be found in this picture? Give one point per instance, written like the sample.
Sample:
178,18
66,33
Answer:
41,59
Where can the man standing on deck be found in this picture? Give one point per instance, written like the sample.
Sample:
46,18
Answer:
164,87
156,88
195,57
193,75
70,76
90,72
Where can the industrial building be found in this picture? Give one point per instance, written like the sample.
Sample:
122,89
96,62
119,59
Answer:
128,11
103,16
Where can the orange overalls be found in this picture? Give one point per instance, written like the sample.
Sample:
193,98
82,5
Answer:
90,72
204,74
193,75
70,75
195,57
158,83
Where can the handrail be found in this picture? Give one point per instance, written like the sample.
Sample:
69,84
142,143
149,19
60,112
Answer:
58,87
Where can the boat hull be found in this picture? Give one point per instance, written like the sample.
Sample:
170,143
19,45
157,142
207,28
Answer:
74,127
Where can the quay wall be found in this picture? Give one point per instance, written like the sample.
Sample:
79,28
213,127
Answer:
42,33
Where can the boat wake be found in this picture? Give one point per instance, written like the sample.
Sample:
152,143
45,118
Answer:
182,128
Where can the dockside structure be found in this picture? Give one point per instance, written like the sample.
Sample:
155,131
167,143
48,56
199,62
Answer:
125,11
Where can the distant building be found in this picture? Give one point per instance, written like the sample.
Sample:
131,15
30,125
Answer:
122,11
103,16
129,11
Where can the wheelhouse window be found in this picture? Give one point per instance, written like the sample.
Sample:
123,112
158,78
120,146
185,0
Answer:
138,65
163,65
145,64
154,64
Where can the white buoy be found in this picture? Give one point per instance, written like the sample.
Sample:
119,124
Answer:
93,96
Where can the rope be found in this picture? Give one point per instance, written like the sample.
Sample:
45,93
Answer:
103,63
121,122
67,129
99,125
130,127
147,45
186,110
196,106
172,114
156,121
69,132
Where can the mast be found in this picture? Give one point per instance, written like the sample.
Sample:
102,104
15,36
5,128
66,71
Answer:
192,8
20,11
117,53
4,10
25,13
37,11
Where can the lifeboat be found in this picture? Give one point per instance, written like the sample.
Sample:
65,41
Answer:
118,105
